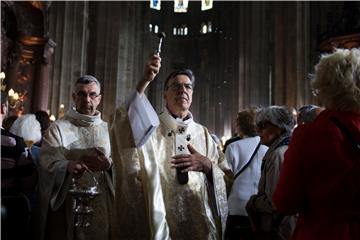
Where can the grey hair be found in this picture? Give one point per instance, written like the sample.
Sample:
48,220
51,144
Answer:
279,116
187,72
337,80
87,79
307,113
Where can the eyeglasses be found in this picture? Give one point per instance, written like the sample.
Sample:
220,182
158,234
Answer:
177,86
262,125
92,95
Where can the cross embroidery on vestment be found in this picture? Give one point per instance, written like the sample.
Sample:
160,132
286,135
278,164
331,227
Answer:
181,130
181,148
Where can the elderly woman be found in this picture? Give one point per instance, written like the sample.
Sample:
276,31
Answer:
274,124
29,128
321,172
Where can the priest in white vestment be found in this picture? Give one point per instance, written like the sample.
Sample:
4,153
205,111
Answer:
171,179
77,147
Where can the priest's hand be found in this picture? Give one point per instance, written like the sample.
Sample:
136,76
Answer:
152,68
76,168
192,162
96,160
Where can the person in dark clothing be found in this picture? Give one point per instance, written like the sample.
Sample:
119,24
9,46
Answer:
8,122
44,121
236,137
18,178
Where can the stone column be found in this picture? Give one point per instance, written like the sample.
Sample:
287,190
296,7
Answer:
42,81
69,27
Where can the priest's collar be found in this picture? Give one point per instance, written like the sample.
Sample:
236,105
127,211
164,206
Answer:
176,124
181,119
83,119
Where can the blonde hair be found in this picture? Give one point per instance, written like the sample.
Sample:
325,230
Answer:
337,80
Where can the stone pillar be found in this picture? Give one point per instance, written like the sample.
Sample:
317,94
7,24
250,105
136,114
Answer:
23,76
69,27
28,33
117,50
42,81
292,45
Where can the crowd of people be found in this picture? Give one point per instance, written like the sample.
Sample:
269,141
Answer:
164,176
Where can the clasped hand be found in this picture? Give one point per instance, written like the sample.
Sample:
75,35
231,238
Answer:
192,162
94,161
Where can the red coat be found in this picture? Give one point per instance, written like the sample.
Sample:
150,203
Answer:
320,179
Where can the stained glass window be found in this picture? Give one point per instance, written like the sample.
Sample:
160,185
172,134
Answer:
206,4
181,5
155,4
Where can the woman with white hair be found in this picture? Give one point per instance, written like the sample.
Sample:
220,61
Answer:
321,172
29,128
274,125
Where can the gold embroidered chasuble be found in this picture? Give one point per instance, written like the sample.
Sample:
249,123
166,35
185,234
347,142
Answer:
150,203
67,140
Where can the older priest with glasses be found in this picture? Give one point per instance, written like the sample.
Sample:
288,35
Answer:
170,174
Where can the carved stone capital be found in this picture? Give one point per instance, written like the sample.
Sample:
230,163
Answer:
31,48
42,5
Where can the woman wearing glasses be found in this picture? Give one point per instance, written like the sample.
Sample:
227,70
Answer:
274,125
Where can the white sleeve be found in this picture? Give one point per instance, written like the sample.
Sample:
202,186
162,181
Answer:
142,116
